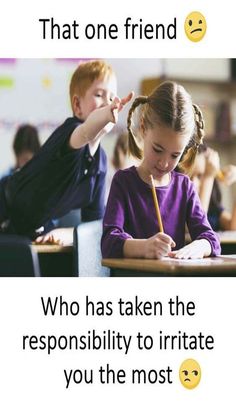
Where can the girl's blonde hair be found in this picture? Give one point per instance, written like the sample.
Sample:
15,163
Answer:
85,74
171,106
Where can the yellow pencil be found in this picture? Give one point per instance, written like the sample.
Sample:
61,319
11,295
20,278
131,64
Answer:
161,229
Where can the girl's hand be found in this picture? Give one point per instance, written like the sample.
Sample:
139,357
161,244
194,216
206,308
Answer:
195,250
158,246
229,173
212,162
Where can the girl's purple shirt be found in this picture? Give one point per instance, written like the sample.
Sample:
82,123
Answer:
130,212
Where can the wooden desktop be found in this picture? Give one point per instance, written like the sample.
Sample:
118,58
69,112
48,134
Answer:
209,267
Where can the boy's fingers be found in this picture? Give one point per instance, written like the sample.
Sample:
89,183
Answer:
115,103
126,99
38,239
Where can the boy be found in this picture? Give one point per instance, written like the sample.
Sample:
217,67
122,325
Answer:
69,171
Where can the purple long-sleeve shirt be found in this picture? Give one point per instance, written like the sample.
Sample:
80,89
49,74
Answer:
130,212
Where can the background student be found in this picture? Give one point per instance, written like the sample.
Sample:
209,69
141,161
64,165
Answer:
69,170
26,144
169,125
205,175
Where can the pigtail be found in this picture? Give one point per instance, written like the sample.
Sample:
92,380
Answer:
134,149
187,163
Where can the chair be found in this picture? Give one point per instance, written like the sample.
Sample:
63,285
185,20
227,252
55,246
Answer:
87,237
17,258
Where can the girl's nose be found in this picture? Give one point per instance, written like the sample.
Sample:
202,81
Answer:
163,164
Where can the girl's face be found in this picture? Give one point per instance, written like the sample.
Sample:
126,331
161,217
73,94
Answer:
199,170
99,94
163,148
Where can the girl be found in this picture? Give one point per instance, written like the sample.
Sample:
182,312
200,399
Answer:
170,125
205,176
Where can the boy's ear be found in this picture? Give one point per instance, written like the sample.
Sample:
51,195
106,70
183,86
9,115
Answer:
76,105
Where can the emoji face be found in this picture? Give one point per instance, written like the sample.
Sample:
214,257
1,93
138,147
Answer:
195,26
190,373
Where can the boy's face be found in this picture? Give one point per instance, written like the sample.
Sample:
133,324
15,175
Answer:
99,94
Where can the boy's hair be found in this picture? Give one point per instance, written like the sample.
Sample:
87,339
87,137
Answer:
26,139
85,74
169,105
121,145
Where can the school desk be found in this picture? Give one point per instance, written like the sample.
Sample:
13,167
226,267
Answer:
56,260
209,267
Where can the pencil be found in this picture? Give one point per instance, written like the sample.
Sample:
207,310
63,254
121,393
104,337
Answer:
156,205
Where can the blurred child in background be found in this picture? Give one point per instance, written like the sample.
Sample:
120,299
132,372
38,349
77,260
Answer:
206,175
26,144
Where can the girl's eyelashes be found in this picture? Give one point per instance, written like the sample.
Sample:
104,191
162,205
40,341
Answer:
160,151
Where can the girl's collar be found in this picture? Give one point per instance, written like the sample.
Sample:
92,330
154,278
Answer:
145,178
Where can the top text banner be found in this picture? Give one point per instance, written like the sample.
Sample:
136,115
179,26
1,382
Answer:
102,29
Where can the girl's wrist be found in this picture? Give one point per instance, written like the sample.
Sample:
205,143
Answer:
134,248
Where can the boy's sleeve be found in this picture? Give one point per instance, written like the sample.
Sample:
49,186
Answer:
197,222
114,236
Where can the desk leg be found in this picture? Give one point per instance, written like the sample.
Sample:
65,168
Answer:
57,264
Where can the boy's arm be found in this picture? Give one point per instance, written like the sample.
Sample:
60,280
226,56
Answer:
97,124
91,130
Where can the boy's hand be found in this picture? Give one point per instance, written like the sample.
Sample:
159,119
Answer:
158,246
98,123
59,236
118,104
195,250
